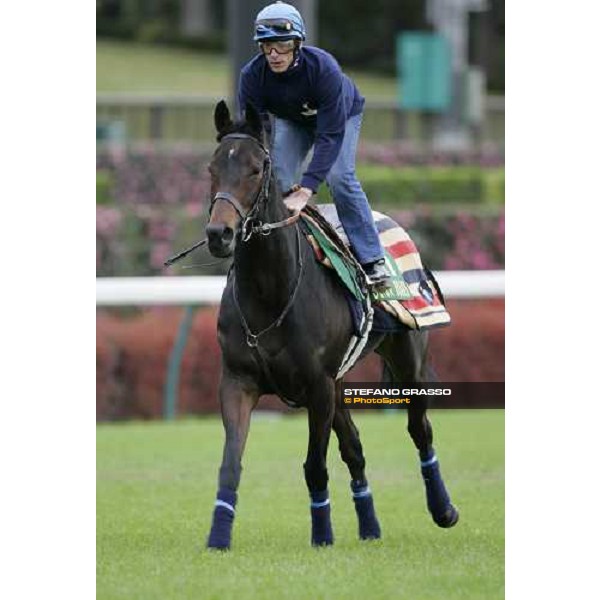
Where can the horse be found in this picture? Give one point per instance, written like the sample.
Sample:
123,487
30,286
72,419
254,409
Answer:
283,329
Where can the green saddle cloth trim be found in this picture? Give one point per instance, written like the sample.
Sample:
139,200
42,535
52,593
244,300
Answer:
398,289
345,270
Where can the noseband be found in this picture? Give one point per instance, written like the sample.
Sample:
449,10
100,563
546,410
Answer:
261,195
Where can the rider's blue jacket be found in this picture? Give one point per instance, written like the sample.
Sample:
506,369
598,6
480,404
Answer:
313,93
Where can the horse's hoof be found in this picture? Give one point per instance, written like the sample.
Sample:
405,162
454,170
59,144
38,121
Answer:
370,536
322,544
448,519
372,532
217,546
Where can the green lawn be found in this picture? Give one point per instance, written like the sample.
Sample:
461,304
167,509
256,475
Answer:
139,68
156,484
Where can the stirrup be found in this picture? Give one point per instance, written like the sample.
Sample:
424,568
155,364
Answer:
377,274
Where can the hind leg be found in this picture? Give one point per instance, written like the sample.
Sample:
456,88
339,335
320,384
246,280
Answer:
406,358
441,508
352,454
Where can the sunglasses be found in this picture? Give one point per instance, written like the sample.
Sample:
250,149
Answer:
280,47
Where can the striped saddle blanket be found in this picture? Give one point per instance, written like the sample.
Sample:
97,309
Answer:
423,305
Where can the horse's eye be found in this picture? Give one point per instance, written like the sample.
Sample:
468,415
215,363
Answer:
254,172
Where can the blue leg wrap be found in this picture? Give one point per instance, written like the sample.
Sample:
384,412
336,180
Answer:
368,525
222,522
438,500
320,512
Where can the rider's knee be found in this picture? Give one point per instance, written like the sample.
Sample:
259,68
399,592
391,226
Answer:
342,181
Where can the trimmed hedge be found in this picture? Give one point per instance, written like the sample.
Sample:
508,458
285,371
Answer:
132,352
390,175
383,185
412,185
148,178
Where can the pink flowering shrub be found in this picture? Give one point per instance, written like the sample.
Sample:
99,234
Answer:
135,241
147,175
456,240
159,206
477,244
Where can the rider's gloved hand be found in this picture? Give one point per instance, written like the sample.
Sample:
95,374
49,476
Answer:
297,200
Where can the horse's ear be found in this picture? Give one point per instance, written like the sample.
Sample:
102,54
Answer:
222,116
253,119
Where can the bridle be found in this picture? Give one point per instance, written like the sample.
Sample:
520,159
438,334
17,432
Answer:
246,217
262,195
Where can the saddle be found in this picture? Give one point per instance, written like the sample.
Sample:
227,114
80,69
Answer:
413,300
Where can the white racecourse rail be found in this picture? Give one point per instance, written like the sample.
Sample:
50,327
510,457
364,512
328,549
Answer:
115,291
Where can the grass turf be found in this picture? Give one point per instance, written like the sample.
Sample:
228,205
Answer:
143,68
156,484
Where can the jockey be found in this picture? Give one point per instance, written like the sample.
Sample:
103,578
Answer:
313,104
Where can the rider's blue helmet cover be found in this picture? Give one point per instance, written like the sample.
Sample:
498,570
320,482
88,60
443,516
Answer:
279,21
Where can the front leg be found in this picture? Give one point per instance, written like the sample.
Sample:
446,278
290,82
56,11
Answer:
237,402
320,418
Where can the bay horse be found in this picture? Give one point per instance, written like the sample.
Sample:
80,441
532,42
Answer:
283,328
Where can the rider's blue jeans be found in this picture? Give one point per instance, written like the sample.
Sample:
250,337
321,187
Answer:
291,144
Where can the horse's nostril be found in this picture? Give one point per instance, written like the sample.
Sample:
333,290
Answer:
215,231
219,234
227,236
220,240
